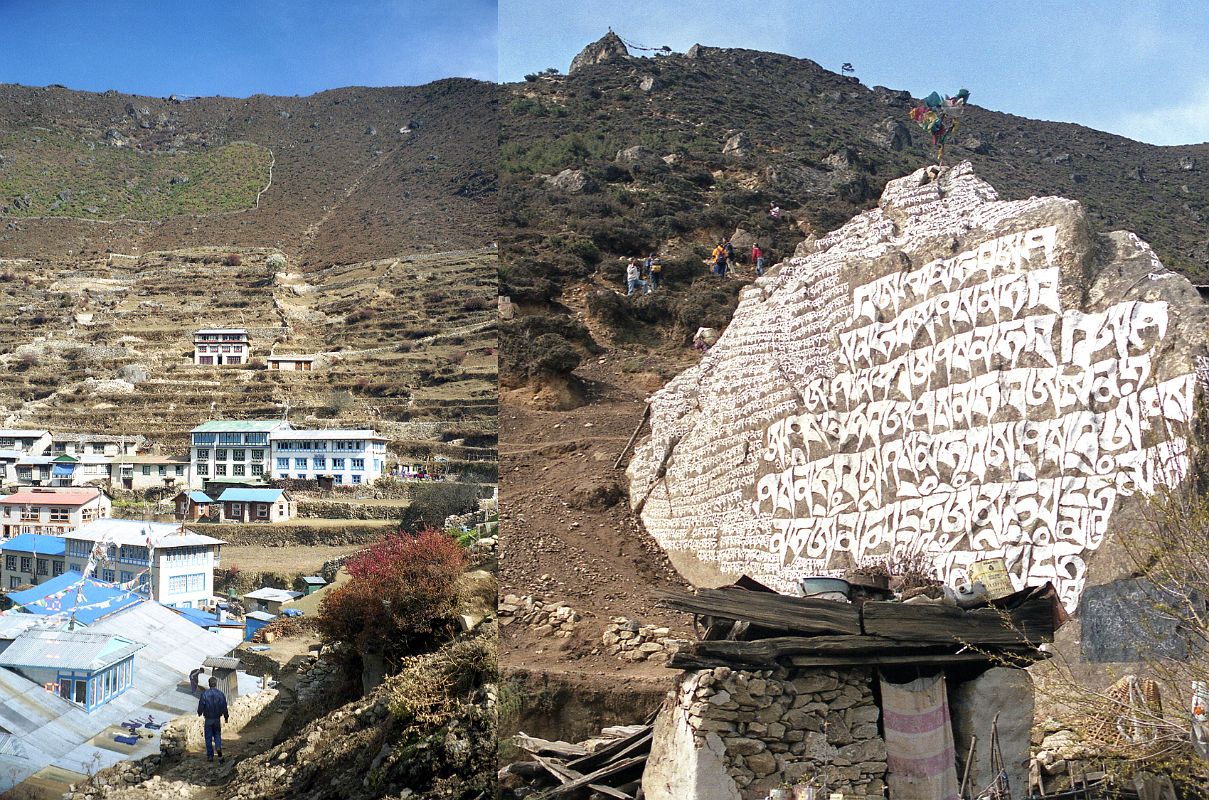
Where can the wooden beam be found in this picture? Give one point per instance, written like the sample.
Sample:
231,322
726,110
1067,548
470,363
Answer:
939,622
774,611
646,413
613,770
622,748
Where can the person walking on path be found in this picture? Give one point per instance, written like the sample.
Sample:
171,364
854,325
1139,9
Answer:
654,266
213,708
633,279
719,259
193,678
757,258
730,253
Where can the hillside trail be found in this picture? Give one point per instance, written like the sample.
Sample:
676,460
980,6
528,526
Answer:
307,240
569,531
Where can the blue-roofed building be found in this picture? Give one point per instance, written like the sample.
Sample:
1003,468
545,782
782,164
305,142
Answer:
89,669
29,559
256,505
254,621
195,506
63,595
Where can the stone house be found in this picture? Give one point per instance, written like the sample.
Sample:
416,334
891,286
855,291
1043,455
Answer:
291,363
150,471
30,559
194,506
213,347
256,505
16,444
51,511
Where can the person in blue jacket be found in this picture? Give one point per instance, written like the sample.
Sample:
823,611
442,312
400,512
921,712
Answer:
213,707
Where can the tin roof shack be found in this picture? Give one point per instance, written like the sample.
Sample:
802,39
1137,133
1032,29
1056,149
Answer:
256,505
254,621
89,669
312,584
30,559
223,669
270,600
195,506
857,698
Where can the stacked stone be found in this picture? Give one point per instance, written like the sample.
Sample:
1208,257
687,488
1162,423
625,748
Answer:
121,776
631,641
554,619
790,726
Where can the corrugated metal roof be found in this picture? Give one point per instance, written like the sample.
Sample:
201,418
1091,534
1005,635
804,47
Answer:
276,595
328,433
40,648
263,616
13,623
35,543
221,330
236,495
240,426
21,433
51,497
98,599
200,497
135,532
290,358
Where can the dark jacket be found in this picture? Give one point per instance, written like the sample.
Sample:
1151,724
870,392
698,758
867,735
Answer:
213,704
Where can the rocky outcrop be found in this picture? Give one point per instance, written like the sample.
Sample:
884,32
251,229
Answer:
607,48
571,181
948,371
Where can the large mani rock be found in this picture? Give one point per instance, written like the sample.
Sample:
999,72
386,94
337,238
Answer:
947,371
974,705
682,768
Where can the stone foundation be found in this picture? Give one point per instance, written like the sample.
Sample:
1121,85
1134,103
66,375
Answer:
734,735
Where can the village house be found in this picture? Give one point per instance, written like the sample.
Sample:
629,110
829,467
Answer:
16,444
89,669
95,444
256,505
219,346
30,559
176,564
193,506
150,471
51,511
231,451
269,600
349,457
291,363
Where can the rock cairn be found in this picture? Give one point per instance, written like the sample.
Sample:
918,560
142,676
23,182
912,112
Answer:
547,618
630,640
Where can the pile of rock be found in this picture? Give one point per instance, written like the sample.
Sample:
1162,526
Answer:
547,618
630,640
120,777
769,727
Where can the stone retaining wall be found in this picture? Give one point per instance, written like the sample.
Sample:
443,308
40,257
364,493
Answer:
630,640
547,618
186,734
734,735
286,535
341,509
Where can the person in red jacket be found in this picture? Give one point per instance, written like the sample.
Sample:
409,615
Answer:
757,258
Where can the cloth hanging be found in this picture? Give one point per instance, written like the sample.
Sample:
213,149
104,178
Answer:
920,755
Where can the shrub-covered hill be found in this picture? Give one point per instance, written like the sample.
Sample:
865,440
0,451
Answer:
676,151
357,173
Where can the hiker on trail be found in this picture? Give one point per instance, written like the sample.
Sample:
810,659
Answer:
193,679
757,258
633,279
730,253
774,211
213,708
654,266
719,259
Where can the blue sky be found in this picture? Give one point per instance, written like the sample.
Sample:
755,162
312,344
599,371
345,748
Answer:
244,47
1139,69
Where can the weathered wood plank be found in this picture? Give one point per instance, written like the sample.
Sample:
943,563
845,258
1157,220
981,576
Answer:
559,749
778,612
627,767
938,622
636,744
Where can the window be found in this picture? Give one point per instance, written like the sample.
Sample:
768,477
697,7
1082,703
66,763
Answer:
10,562
300,463
319,461
203,470
57,567
283,463
108,575
239,455
258,455
358,463
180,470
27,564
339,480
220,469
356,479
203,438
258,469
59,515
220,454
146,469
14,582
77,568
176,584
163,470
237,469
127,577
237,509
203,454
262,510
31,514
337,463
43,566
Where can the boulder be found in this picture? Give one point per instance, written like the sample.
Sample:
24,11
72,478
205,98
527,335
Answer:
607,48
648,83
892,135
818,358
737,145
973,706
639,158
680,766
571,181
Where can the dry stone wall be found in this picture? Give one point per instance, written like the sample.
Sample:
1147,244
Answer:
948,371
734,735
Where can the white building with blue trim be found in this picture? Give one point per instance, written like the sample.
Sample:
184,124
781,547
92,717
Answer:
89,669
349,456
